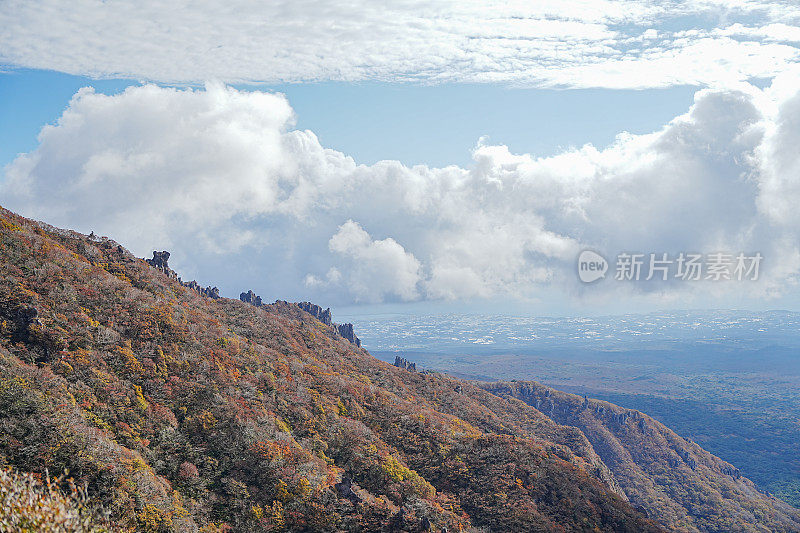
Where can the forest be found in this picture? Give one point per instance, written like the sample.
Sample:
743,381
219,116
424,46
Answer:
130,402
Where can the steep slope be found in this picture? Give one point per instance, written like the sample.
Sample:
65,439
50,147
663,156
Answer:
184,412
673,479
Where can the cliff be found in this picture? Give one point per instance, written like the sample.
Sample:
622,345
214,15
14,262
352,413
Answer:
661,473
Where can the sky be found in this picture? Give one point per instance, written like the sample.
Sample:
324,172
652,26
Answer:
418,156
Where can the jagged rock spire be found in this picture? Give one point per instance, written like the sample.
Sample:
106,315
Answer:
250,297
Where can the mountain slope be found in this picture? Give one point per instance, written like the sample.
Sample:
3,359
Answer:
672,478
183,412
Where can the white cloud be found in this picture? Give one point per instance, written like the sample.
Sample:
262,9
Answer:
573,43
209,148
220,178
377,267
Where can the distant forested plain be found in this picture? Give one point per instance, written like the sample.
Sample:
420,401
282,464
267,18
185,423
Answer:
736,391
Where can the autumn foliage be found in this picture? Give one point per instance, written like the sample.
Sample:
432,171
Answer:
183,413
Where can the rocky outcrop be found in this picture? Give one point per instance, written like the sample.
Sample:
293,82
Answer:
401,362
730,470
251,298
323,315
210,292
345,489
687,458
346,331
160,261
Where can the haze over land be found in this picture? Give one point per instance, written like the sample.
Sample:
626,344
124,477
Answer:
730,380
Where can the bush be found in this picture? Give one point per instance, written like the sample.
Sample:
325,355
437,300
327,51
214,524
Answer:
26,505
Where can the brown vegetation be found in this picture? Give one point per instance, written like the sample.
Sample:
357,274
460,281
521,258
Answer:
181,412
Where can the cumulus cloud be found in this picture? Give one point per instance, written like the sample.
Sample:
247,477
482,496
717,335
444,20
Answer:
376,268
573,43
189,156
220,177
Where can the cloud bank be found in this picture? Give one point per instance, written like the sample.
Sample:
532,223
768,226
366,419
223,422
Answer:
220,178
558,43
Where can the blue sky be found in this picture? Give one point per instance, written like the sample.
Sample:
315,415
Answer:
435,125
447,157
29,99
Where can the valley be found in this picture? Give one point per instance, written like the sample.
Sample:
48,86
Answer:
725,379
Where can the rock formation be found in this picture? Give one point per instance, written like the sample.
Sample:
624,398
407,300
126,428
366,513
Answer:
323,316
345,488
401,362
210,292
160,262
731,470
687,458
346,331
251,298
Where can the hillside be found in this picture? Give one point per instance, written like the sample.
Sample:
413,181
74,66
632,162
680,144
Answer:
183,411
672,478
